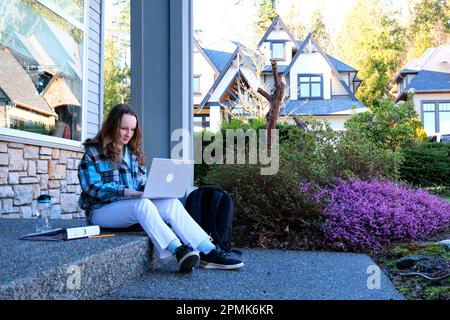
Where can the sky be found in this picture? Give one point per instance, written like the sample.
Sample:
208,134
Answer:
224,19
233,19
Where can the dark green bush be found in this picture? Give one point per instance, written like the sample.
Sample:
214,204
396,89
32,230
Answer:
325,155
365,160
426,164
269,210
272,211
389,126
202,169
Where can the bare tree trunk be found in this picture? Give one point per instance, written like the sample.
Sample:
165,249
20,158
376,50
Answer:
275,99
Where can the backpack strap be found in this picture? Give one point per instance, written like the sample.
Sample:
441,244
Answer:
210,218
193,205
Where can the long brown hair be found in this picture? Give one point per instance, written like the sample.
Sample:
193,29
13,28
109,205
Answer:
111,129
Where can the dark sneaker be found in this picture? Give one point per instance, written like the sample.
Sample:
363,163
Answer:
187,258
219,259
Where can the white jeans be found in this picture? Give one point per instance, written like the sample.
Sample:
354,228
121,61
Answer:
153,216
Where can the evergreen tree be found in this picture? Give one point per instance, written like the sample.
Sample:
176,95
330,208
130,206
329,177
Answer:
319,30
294,21
430,26
116,88
266,14
116,69
372,40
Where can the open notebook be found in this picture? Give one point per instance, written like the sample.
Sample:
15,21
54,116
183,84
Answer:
62,234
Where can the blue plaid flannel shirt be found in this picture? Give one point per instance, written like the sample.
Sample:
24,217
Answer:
103,181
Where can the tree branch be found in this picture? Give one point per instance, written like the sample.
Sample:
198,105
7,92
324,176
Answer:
265,94
276,77
275,100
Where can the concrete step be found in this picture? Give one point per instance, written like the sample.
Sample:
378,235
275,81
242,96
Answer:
125,267
76,269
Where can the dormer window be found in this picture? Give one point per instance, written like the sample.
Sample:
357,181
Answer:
278,50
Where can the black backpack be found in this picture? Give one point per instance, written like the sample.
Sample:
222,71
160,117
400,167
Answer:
212,208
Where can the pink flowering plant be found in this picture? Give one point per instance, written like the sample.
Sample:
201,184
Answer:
368,215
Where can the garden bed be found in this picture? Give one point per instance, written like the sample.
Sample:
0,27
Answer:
415,287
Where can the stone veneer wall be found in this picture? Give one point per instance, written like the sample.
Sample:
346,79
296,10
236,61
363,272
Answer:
26,171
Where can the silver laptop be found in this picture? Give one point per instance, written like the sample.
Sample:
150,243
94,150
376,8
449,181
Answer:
168,178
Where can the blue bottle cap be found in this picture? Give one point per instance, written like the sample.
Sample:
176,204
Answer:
44,198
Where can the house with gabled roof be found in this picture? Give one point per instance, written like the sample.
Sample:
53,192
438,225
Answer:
428,78
238,73
319,85
207,66
21,101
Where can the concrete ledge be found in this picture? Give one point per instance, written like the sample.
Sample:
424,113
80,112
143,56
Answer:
267,275
76,269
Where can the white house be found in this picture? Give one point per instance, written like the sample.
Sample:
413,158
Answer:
208,63
239,70
205,72
428,77
319,85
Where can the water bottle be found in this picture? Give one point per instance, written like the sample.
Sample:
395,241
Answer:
43,211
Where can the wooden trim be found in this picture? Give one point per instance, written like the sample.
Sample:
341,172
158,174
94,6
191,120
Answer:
37,110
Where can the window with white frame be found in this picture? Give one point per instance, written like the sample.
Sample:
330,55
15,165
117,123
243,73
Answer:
201,122
436,116
278,52
196,84
444,116
41,67
310,86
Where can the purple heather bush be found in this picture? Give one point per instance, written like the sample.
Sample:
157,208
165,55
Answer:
368,215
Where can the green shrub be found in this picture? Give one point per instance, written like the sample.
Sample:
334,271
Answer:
327,155
426,164
200,169
269,210
388,126
312,154
365,160
285,131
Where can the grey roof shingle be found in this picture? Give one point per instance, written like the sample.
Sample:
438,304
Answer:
319,107
409,71
430,81
338,65
404,72
219,58
281,68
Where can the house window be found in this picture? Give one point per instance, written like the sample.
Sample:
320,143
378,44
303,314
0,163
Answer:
196,84
444,117
310,86
429,118
41,67
201,122
436,116
278,52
